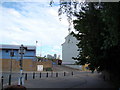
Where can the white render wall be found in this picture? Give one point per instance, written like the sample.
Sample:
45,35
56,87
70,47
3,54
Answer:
69,50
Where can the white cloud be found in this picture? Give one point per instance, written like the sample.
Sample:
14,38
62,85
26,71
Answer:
14,13
53,12
15,43
33,23
56,47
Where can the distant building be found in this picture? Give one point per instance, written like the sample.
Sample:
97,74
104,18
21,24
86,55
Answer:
58,56
54,59
50,56
69,50
55,56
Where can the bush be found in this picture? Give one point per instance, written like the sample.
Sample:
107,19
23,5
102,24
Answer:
48,69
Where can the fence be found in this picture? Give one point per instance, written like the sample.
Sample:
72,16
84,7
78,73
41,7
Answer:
7,79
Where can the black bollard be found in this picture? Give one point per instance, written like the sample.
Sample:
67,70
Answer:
64,73
72,73
47,74
33,75
9,80
40,74
56,74
2,82
26,76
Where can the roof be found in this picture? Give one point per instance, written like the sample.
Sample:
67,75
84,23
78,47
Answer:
5,46
69,36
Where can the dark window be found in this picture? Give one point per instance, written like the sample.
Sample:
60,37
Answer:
6,51
68,40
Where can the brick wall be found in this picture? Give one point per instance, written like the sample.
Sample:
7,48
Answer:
28,65
46,64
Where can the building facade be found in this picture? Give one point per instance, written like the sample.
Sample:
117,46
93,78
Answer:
29,63
29,58
69,50
30,52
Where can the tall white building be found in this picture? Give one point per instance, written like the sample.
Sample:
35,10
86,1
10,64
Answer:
69,50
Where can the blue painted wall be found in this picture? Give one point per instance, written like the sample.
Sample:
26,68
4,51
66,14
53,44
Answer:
28,54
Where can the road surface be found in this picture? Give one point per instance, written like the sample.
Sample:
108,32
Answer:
57,79
81,80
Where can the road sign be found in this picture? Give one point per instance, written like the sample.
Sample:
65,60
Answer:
39,67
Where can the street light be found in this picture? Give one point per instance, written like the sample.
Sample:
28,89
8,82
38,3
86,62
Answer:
21,52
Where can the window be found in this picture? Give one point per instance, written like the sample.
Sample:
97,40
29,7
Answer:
6,51
68,40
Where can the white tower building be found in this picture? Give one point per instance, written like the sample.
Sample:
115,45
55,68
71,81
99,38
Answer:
69,50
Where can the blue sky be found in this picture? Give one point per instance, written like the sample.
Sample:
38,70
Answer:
26,22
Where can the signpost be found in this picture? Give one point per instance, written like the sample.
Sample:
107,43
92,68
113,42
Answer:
21,52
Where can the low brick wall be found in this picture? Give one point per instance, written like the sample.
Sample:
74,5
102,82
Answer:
46,64
28,65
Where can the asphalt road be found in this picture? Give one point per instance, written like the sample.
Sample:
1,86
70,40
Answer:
57,79
57,69
81,80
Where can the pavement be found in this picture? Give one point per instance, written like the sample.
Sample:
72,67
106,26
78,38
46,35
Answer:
15,74
80,79
86,80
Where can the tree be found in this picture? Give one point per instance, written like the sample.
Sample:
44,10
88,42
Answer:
89,27
97,27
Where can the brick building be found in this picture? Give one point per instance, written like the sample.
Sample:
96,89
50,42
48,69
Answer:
29,58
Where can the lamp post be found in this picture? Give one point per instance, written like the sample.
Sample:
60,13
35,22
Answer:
21,52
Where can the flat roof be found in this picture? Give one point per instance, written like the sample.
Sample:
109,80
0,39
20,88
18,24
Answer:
6,46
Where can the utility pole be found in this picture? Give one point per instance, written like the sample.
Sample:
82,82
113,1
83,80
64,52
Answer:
21,52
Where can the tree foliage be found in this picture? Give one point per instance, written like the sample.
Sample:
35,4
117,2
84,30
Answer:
98,32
